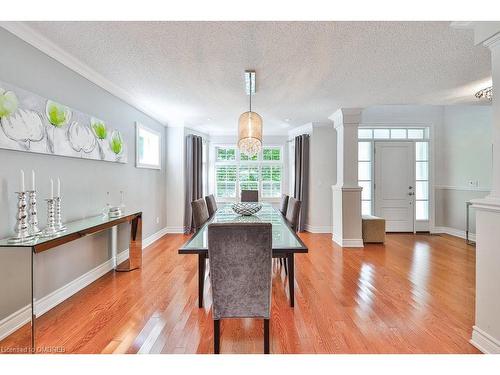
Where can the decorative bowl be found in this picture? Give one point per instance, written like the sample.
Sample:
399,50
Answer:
246,208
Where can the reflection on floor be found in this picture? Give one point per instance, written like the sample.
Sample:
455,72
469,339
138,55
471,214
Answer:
415,294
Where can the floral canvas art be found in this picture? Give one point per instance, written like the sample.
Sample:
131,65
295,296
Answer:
31,123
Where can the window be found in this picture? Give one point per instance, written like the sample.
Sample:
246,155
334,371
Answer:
271,181
393,133
225,154
236,171
422,180
148,147
365,176
226,181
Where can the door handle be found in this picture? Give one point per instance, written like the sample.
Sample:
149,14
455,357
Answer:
411,193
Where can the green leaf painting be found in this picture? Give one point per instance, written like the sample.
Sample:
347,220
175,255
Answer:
116,142
8,103
58,114
32,123
99,128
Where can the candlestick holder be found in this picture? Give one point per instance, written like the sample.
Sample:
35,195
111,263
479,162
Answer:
21,229
50,229
58,218
33,214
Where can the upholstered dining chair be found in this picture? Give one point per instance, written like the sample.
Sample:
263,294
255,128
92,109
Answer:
284,204
249,196
240,273
200,213
211,204
293,212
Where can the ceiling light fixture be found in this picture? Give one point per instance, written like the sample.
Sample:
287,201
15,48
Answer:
250,123
486,93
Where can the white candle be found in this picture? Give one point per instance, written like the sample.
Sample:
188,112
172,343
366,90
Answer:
58,187
21,188
51,189
32,180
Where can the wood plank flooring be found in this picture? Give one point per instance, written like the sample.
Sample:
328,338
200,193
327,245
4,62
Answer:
415,294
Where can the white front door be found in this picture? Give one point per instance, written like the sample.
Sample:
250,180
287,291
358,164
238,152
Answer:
395,185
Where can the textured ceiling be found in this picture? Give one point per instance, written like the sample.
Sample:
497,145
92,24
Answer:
191,73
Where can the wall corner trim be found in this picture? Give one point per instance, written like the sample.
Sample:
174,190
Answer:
22,316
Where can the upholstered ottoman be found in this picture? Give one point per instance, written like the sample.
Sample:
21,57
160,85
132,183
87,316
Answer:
373,229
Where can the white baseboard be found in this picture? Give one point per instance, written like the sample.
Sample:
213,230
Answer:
16,320
174,229
453,232
348,242
154,237
484,342
318,229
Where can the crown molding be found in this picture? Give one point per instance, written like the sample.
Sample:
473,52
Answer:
35,39
346,117
493,41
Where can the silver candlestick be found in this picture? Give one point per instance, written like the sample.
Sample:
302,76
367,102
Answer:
21,229
50,229
58,218
33,214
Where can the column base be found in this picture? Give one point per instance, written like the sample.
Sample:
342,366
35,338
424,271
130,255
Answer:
348,242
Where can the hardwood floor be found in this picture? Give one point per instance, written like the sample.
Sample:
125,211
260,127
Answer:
415,294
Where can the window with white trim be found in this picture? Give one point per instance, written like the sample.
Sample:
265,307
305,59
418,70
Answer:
365,176
235,171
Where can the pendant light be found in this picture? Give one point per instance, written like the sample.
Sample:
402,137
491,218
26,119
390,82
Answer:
250,123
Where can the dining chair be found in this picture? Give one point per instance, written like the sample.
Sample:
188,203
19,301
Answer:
284,204
293,212
240,273
211,204
249,196
292,218
200,213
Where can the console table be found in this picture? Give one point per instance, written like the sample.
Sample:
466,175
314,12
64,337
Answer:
75,230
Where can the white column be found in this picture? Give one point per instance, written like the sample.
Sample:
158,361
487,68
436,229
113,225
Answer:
346,194
486,330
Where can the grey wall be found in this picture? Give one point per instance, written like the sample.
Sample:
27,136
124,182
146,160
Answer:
322,175
84,182
463,154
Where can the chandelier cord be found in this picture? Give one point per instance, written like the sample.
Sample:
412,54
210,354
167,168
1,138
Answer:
250,93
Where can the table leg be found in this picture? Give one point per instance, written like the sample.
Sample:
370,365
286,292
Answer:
201,278
291,278
134,260
33,301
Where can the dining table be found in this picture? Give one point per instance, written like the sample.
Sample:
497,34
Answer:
285,242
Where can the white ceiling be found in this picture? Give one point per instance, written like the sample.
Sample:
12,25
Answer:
191,73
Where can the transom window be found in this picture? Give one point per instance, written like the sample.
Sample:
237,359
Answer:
235,171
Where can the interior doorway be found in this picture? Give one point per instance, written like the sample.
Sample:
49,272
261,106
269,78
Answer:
394,172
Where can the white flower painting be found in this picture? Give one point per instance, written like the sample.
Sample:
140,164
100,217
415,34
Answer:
31,123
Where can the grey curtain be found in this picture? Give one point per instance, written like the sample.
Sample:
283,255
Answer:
301,189
193,186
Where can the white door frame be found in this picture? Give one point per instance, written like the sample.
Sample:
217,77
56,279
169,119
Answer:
420,226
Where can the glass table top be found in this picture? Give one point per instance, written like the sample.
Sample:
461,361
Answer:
71,228
283,236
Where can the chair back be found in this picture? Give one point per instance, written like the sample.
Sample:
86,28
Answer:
249,196
293,212
240,269
200,213
211,204
284,204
